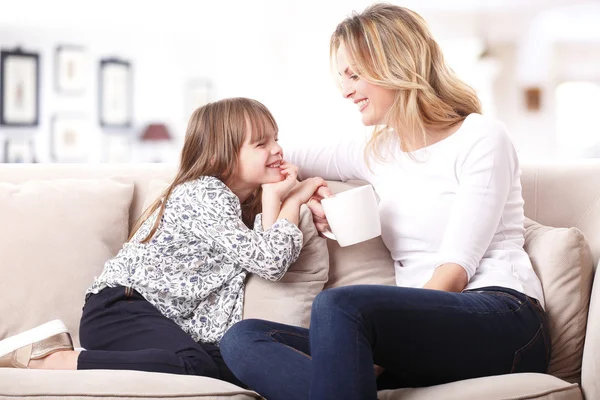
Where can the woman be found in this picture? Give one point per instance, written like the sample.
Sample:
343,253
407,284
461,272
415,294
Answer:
467,302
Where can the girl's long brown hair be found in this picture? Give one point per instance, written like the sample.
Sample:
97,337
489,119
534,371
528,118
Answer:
392,47
213,140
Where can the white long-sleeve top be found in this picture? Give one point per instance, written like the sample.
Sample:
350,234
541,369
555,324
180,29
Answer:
459,202
194,267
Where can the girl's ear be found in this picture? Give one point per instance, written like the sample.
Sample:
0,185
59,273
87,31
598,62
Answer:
212,161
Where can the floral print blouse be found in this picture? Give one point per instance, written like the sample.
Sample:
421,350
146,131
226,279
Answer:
193,269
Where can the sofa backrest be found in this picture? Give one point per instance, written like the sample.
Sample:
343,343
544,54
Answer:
565,195
561,195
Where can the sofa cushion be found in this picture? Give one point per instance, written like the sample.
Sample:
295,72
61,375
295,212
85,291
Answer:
55,236
289,300
501,387
121,385
563,262
366,263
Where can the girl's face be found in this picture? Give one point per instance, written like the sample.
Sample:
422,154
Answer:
259,162
373,101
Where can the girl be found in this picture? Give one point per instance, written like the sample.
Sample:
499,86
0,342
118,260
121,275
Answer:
165,300
468,303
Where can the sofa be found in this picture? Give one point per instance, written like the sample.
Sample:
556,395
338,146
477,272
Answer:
59,223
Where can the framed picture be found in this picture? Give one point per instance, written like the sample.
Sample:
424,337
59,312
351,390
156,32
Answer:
70,138
19,151
198,92
117,149
115,94
71,69
19,88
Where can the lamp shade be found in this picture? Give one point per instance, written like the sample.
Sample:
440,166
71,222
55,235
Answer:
156,132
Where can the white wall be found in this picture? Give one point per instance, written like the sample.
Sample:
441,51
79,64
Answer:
274,51
157,81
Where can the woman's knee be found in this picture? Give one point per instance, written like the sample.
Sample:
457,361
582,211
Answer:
238,339
333,300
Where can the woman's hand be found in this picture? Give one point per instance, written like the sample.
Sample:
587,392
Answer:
279,190
305,190
314,204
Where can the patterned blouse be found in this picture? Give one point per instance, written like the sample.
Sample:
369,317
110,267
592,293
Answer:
194,267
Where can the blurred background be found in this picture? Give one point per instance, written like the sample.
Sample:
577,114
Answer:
116,81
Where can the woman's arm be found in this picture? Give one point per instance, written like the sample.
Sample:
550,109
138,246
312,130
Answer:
341,162
448,277
486,176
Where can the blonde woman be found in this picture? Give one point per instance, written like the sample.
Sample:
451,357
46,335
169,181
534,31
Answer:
467,302
165,300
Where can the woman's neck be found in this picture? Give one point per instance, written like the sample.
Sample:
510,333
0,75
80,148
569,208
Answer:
433,136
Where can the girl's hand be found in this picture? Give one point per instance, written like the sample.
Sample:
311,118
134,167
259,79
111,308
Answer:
306,189
314,204
280,190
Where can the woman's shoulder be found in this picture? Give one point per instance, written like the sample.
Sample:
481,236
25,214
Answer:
485,140
480,126
483,131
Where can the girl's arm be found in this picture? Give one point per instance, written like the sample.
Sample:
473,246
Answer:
267,253
273,209
274,193
282,200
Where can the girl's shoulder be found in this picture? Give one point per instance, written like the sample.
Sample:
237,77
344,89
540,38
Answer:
208,191
203,183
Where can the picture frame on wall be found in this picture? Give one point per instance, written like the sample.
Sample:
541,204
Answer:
19,88
71,69
115,93
19,150
198,92
70,138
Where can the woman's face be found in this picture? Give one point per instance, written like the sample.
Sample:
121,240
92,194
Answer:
373,101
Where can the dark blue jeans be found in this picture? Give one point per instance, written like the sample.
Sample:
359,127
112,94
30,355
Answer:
121,330
421,337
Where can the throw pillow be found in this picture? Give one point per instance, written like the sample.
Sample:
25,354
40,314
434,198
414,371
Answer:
55,237
562,260
364,263
289,301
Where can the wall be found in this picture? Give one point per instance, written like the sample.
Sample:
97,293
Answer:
157,81
276,52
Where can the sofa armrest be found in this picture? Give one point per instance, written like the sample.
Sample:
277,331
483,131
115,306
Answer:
590,369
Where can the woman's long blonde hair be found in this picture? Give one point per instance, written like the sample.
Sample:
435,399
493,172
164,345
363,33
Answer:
392,47
214,137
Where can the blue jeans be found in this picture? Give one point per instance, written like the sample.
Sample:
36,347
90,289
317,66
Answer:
421,337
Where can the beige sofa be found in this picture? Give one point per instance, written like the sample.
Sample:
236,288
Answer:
59,223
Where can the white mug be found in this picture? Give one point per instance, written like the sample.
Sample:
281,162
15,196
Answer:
353,216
